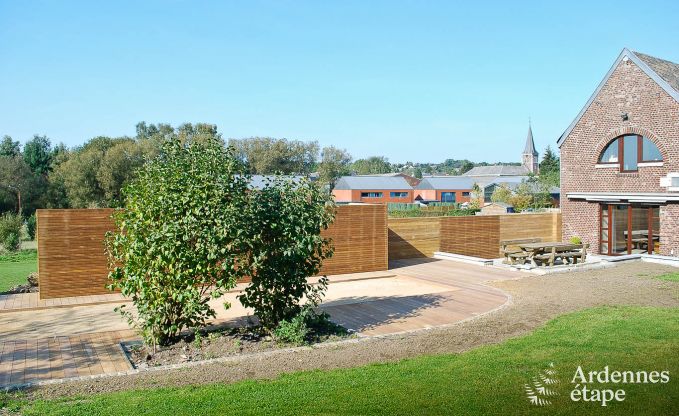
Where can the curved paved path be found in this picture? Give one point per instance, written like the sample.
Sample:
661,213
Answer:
70,340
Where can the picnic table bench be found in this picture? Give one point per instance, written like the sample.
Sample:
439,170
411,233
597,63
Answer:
512,252
547,253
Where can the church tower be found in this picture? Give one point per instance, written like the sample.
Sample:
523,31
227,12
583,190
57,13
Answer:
530,155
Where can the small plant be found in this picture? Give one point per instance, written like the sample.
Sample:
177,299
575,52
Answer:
575,240
10,231
31,223
293,331
197,339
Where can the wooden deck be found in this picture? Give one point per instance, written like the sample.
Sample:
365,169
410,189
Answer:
466,296
80,336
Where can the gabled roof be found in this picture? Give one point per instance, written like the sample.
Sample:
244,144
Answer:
497,170
530,146
669,71
413,181
372,183
664,73
446,182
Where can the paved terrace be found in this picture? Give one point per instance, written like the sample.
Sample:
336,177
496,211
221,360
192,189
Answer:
71,337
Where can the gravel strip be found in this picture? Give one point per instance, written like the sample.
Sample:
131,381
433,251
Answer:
536,300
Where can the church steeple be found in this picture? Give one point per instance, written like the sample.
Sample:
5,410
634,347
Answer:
530,155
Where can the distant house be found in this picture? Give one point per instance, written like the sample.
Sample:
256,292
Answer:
496,208
444,189
620,161
513,183
412,181
509,182
373,189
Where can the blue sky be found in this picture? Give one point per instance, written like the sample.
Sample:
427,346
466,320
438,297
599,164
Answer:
411,80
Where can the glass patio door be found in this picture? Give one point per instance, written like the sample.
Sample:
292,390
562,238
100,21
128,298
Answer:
629,229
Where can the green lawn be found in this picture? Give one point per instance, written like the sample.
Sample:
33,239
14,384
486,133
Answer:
487,380
672,277
14,268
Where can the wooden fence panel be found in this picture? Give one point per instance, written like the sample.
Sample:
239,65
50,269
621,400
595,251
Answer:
480,236
545,226
477,236
71,257
413,237
359,235
72,260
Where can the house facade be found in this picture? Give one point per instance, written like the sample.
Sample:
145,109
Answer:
373,189
444,189
620,161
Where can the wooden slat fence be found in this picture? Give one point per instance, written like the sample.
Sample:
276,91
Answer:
480,236
413,237
477,236
71,258
359,235
72,262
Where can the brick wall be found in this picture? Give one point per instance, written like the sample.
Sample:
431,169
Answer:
652,113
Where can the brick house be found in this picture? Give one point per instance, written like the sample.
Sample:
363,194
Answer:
373,189
620,161
444,189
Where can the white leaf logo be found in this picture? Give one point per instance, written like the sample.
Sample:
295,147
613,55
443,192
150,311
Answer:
537,391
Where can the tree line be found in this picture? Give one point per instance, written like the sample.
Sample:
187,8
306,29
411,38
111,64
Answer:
43,175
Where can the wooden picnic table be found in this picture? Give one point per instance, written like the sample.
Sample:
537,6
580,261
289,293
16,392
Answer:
547,252
545,246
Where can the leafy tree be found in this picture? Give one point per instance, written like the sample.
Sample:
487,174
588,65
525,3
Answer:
79,174
334,163
372,165
118,167
285,220
417,173
502,194
466,166
10,231
38,154
180,239
265,155
477,197
9,147
17,183
550,168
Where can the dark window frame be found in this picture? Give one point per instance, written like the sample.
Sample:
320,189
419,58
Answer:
621,152
372,194
401,194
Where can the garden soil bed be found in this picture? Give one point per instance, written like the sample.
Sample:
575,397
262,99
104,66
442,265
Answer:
215,344
535,300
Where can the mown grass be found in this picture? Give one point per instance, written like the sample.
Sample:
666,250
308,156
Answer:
487,380
14,268
671,277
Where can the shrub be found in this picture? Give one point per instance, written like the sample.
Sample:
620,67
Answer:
285,219
180,238
30,227
294,330
575,240
10,231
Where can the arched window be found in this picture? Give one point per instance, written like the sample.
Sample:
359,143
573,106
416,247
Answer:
630,150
